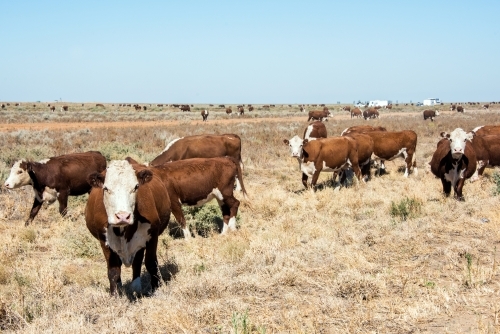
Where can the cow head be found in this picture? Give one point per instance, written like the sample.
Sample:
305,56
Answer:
458,139
436,112
19,175
120,185
295,145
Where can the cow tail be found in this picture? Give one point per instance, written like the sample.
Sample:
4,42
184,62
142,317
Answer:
239,179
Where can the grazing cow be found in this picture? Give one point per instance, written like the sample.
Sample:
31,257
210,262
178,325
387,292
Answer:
3,106
302,109
222,106
144,108
487,150
126,211
365,146
319,115
64,108
137,107
53,108
65,175
389,106
347,108
328,155
100,105
391,145
460,109
486,106
370,113
430,114
315,130
17,104
185,107
356,112
485,130
454,161
250,108
201,146
204,114
265,106
229,110
453,107
241,111
197,181
362,129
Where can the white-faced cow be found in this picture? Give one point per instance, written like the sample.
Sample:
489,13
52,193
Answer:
241,111
313,131
126,211
486,106
57,177
430,114
229,111
487,150
201,146
197,181
454,161
204,114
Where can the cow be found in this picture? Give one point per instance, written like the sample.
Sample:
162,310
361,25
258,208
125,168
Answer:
454,161
453,107
17,104
126,211
356,112
3,105
204,114
250,108
137,107
241,111
53,108
460,109
319,115
486,106
487,150
364,144
196,181
58,177
333,154
222,106
100,105
229,110
389,106
391,145
370,113
144,108
201,146
485,130
185,107
430,114
64,108
315,129
302,109
362,129
347,108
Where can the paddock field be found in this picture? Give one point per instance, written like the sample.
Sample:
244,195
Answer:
391,256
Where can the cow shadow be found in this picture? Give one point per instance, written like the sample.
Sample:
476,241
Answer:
204,229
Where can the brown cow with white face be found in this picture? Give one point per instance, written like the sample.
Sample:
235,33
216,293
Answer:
57,177
454,161
241,111
204,115
126,211
430,114
486,106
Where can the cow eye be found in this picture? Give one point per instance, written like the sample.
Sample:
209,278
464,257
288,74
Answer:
106,189
136,187
19,172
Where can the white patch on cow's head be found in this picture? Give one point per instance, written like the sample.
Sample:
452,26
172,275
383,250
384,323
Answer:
437,112
120,192
458,139
170,144
18,176
295,145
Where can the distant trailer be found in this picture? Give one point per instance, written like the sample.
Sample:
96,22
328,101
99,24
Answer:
431,102
379,103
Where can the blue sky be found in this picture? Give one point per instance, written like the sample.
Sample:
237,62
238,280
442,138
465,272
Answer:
249,51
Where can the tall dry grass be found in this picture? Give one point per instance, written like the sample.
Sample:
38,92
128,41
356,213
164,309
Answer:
329,261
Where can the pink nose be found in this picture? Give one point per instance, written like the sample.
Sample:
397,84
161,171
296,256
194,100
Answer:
122,217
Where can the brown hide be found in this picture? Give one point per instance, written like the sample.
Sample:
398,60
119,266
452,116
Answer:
429,114
356,112
364,145
487,150
487,130
318,130
318,115
362,129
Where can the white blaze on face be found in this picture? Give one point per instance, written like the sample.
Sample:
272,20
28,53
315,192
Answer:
457,139
120,192
437,113
18,177
295,145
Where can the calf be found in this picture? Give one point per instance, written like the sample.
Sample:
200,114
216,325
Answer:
430,114
59,177
204,114
126,211
195,182
487,150
454,161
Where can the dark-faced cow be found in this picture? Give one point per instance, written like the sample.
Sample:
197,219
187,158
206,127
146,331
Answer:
364,144
460,109
487,150
59,177
64,108
204,115
430,114
201,146
194,182
319,115
126,211
454,161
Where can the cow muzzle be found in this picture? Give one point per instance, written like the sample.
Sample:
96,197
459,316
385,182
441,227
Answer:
122,218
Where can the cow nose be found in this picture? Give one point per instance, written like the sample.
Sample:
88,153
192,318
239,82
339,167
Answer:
122,217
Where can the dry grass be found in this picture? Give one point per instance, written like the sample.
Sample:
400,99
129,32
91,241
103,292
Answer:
329,262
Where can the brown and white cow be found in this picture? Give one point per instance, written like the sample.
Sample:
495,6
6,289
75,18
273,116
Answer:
486,106
364,144
241,111
204,114
430,114
250,108
126,211
100,105
333,154
201,146
487,150
454,161
229,111
362,129
453,107
356,112
319,115
196,181
460,109
57,177
53,108
313,131
64,108
370,113
485,130
347,108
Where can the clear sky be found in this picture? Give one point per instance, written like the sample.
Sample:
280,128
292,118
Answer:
249,51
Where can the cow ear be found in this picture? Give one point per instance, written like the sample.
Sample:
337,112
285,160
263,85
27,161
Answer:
131,161
305,141
445,135
286,141
96,180
144,176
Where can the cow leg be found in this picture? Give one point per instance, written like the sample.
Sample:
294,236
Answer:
229,210
151,262
315,177
458,189
114,268
446,187
304,180
365,171
179,216
63,202
34,211
136,272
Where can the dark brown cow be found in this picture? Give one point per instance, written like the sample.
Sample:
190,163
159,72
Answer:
328,155
144,108
486,106
201,146
222,106
53,108
241,111
265,106
362,129
370,113
100,105
356,112
197,181
3,106
229,110
204,114
302,109
64,108
453,107
389,106
126,211
430,114
137,107
391,145
17,104
460,109
185,107
485,130
454,161
487,150
65,174
319,115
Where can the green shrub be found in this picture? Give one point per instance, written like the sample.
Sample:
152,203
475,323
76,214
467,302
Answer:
496,180
406,208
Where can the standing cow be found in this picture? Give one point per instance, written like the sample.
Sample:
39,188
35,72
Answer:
241,111
229,111
204,114
487,150
430,114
